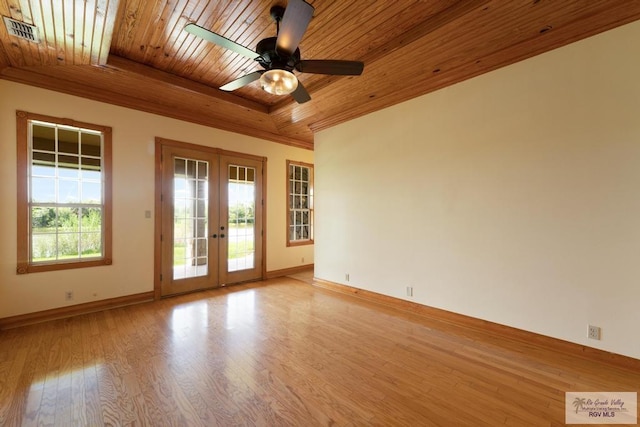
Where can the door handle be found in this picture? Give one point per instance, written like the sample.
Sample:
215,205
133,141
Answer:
221,236
214,236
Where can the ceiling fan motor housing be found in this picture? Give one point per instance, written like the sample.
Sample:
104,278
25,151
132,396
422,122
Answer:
270,59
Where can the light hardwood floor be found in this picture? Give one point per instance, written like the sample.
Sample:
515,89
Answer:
280,353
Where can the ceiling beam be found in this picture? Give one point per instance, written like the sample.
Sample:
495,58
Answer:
129,66
113,86
290,130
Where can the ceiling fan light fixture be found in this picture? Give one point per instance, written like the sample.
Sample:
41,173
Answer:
279,82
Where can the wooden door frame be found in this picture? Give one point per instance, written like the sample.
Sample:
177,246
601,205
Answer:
157,257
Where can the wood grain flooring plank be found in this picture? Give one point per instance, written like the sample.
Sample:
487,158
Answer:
91,409
280,353
9,405
76,368
28,392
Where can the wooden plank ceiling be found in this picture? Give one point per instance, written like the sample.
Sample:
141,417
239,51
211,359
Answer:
135,53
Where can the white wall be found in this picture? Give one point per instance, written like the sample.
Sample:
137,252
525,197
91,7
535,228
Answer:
512,197
133,193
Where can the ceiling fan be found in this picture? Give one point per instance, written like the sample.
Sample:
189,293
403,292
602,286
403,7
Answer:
280,56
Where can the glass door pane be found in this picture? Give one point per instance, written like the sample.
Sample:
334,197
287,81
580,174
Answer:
241,205
211,220
190,218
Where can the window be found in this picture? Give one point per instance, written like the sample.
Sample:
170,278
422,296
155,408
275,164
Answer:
64,194
299,203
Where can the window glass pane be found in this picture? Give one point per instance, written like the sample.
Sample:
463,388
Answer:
192,227
91,144
44,137
68,220
201,189
179,209
68,167
91,219
37,170
91,244
68,162
43,190
202,170
202,208
201,227
201,248
91,192
43,247
90,163
68,245
180,167
180,187
189,208
68,141
180,228
189,245
69,191
179,251
191,168
65,172
90,175
45,159
43,219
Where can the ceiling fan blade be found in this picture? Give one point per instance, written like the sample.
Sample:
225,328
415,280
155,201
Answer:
300,94
295,21
242,81
330,66
212,37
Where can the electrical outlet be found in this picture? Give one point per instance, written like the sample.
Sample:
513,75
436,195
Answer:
346,277
68,296
594,332
409,291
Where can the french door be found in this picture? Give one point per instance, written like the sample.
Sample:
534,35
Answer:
210,218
